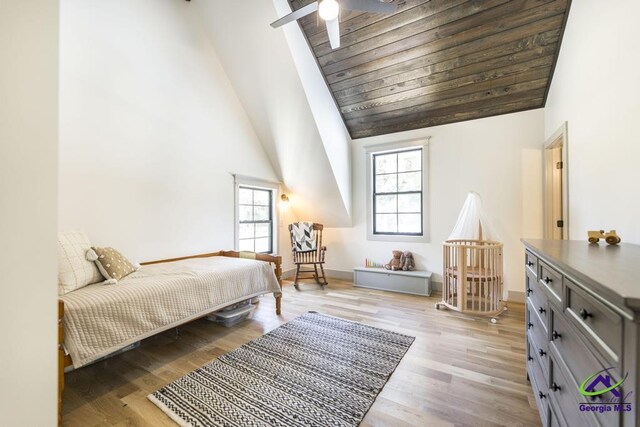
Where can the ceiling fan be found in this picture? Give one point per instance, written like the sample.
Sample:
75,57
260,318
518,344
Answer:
329,11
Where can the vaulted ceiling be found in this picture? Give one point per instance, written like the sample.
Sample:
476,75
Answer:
438,61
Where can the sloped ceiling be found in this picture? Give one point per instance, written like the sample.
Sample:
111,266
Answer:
438,61
260,66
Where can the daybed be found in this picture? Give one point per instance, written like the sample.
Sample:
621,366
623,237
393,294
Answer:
101,319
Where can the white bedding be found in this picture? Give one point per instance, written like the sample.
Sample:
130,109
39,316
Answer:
100,319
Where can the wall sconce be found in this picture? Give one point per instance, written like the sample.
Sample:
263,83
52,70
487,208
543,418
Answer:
284,202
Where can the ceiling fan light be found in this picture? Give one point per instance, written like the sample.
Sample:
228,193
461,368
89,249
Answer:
328,9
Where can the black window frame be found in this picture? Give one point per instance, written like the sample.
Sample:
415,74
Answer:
269,221
374,192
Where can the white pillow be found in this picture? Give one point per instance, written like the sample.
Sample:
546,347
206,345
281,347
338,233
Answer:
74,270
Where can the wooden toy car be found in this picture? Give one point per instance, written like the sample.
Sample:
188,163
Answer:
611,237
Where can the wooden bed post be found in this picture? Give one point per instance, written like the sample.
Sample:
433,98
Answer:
278,263
275,259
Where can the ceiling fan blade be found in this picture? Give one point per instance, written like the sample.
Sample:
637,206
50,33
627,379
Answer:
373,6
297,14
333,29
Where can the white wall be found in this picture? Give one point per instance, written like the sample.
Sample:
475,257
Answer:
329,122
28,175
150,130
596,89
261,67
498,157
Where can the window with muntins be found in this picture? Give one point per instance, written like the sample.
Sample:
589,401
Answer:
397,192
255,217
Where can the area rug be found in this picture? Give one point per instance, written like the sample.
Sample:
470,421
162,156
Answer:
316,370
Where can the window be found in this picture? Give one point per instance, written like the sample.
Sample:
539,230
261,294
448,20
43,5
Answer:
397,198
397,193
255,219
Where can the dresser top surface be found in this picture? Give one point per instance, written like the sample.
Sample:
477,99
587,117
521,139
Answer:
613,271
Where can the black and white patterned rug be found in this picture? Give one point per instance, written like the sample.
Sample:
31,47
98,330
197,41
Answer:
316,370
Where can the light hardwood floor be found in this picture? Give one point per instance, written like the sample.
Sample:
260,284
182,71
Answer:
460,371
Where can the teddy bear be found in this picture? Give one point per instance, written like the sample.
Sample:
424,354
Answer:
408,263
396,262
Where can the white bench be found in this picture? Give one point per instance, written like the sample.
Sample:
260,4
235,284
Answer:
416,282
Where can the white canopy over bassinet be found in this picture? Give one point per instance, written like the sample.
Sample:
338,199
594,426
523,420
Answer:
473,264
472,222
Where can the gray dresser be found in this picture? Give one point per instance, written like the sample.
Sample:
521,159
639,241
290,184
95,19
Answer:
582,332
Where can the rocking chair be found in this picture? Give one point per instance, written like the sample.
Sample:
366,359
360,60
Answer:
313,257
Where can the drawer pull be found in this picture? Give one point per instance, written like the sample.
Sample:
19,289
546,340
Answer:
541,395
585,314
530,263
548,280
541,310
542,352
529,358
529,325
555,387
556,335
529,290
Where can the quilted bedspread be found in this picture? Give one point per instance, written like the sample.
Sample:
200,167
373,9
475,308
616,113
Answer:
101,319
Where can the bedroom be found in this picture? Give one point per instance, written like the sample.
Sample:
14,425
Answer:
135,122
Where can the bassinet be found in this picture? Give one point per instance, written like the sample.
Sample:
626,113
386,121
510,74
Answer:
472,273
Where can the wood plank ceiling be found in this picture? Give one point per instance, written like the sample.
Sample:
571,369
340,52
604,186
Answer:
438,61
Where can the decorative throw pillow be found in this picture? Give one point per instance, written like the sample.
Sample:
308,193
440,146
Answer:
111,263
74,271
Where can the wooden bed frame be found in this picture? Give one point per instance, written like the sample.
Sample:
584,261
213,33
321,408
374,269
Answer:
65,360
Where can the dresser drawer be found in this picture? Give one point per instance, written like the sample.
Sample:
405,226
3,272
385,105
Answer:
601,325
551,282
537,333
537,298
566,393
569,344
538,380
555,419
577,409
531,263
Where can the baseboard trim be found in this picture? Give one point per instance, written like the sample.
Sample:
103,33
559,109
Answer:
288,274
340,274
331,274
516,296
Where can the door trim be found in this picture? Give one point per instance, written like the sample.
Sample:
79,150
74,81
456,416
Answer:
558,139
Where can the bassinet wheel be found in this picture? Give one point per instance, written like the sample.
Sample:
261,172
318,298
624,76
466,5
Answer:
437,306
494,320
